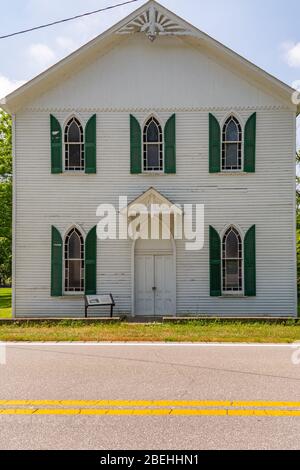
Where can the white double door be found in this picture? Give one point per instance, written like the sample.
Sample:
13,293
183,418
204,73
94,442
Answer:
155,285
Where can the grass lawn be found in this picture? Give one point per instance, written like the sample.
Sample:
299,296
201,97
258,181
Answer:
203,331
5,303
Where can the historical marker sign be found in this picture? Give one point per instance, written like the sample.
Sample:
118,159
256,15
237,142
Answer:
99,301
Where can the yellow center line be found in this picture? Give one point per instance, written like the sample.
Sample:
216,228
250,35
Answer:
268,413
150,408
154,412
137,403
266,404
151,403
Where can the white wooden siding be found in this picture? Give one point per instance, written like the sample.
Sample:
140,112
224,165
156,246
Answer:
167,73
265,198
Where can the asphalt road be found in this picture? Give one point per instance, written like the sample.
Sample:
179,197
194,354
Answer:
220,374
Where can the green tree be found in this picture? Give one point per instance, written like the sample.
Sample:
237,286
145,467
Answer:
5,146
5,197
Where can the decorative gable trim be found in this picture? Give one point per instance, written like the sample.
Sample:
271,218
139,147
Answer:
154,20
151,197
154,23
154,111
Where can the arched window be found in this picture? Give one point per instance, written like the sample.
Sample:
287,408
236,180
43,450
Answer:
74,261
153,146
232,256
74,146
232,145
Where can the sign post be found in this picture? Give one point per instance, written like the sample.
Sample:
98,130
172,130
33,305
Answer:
99,301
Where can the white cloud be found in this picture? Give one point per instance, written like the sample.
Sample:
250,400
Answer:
65,43
42,54
7,85
85,29
291,53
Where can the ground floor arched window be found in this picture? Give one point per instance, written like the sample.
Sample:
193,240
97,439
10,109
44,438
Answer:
232,261
74,261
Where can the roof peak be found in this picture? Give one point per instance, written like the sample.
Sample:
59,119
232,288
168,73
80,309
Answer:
154,21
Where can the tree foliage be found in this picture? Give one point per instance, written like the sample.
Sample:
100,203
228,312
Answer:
5,197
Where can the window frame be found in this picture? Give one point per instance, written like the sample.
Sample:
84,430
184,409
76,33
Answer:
225,142
230,292
161,144
82,260
66,145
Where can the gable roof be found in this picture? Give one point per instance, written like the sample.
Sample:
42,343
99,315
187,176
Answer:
151,197
154,20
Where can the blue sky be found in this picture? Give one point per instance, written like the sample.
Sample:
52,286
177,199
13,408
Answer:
265,32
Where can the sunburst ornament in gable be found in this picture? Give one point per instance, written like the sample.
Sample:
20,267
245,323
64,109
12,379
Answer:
154,23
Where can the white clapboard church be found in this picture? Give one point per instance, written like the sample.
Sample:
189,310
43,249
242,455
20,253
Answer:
155,110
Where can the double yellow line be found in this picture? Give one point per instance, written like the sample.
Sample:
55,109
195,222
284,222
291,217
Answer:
149,408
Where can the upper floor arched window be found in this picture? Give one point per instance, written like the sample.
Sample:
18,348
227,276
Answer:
232,260
74,145
74,261
153,146
232,145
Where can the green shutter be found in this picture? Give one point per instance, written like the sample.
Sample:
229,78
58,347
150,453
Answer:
250,262
90,146
215,263
135,146
56,263
56,145
250,145
170,145
214,145
91,262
